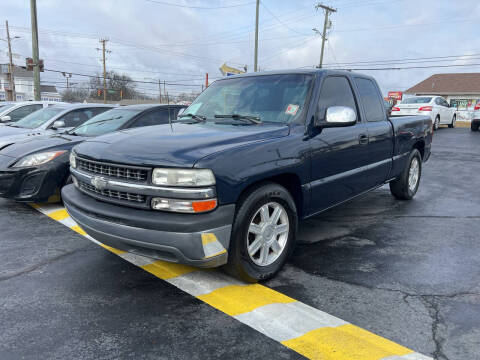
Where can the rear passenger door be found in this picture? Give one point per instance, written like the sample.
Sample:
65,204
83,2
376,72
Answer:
380,131
338,155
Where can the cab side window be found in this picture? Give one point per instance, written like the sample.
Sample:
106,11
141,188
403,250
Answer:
23,111
336,91
155,117
372,104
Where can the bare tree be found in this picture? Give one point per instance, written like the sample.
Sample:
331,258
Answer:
119,86
75,95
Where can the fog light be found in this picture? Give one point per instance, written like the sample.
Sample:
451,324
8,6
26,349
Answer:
184,206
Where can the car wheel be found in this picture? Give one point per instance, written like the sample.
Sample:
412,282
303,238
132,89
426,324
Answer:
454,119
436,123
263,233
405,187
474,126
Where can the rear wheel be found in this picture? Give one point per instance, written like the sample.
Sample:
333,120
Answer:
436,123
454,119
405,187
263,234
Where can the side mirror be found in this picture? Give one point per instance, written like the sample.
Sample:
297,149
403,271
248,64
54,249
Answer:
6,118
338,116
58,124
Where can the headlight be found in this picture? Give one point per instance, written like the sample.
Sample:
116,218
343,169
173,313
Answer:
183,177
73,161
38,159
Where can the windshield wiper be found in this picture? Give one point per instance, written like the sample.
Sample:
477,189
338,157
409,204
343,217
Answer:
252,119
199,118
72,132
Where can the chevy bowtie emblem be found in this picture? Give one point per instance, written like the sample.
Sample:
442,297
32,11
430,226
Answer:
100,183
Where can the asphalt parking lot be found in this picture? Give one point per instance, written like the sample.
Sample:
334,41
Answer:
407,271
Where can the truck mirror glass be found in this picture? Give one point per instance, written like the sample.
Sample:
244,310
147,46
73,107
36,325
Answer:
339,116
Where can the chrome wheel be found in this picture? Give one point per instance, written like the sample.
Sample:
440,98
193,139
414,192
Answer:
436,123
267,234
413,174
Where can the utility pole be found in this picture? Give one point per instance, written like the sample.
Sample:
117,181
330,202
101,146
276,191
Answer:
206,80
12,96
36,61
327,10
104,50
159,91
164,90
255,60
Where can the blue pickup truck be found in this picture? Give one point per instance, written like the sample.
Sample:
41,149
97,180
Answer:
226,183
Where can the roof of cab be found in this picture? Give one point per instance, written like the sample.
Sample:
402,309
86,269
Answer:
297,71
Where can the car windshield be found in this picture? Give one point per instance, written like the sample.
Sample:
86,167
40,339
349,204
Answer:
6,106
417,100
267,98
38,117
105,122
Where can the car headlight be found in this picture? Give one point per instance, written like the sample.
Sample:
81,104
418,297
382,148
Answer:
38,159
73,160
183,177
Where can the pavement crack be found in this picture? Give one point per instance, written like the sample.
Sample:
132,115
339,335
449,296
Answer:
434,311
39,265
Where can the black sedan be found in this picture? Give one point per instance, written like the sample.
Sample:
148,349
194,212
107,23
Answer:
35,170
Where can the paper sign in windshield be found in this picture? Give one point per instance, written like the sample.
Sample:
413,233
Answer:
291,109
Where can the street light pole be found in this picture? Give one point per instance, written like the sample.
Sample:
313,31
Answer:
255,60
35,56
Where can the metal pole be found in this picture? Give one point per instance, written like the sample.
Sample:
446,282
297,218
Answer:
36,61
159,91
164,91
255,60
10,66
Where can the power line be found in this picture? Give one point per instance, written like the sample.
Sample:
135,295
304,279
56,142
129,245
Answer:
199,7
280,21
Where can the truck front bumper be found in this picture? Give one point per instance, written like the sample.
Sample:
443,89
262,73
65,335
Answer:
195,239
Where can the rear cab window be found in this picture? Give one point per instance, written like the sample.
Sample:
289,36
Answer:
371,101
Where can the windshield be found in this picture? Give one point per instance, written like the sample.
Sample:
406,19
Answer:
417,100
38,117
105,122
270,98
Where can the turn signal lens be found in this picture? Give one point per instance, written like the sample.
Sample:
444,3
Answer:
184,206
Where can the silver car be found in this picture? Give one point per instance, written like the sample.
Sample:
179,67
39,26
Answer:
50,120
14,111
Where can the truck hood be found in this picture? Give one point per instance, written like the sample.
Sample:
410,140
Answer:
179,145
40,144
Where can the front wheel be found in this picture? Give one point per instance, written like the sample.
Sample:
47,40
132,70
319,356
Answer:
405,187
454,119
263,233
436,123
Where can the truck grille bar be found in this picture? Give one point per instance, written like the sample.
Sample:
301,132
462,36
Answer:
113,170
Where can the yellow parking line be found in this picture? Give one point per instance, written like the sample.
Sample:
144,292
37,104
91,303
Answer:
238,299
306,330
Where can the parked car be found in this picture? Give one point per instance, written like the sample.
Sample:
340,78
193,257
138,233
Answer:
36,169
50,120
436,107
475,124
227,183
14,111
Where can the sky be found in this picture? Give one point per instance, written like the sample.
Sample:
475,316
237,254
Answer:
180,41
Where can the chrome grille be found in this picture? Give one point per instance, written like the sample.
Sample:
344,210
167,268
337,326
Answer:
116,171
112,194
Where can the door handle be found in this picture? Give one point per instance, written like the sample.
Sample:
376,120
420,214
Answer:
363,139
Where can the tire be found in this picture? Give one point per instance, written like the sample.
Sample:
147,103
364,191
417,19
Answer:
400,187
454,119
248,267
474,127
436,123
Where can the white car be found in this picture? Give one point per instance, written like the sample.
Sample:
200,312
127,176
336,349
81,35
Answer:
475,125
434,106
14,111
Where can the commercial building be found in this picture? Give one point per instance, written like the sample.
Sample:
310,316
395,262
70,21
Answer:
24,85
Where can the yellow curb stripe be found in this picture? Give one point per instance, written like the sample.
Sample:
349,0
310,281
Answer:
238,299
59,215
345,342
165,270
78,229
113,250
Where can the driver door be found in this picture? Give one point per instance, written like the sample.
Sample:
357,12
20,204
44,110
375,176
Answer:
339,156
